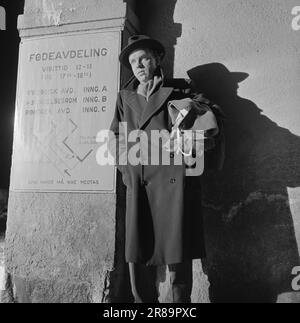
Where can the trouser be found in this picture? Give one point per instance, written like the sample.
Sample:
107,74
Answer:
144,283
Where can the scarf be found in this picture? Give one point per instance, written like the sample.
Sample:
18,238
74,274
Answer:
148,88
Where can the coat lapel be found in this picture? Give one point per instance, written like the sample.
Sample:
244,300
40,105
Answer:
155,102
131,98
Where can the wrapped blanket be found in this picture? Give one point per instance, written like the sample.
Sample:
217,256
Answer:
193,127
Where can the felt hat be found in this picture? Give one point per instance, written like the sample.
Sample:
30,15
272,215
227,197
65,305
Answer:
140,42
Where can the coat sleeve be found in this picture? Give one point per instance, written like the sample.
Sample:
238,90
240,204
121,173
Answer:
118,137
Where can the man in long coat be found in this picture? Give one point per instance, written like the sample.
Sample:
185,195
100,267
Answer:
163,217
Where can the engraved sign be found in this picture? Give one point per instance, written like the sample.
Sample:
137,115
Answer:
67,89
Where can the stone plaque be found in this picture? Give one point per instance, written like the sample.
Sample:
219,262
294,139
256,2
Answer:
67,89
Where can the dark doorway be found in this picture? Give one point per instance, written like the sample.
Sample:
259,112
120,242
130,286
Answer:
9,40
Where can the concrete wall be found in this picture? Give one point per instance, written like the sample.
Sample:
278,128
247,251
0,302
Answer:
62,247
252,208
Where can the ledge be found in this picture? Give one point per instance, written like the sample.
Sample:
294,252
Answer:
76,20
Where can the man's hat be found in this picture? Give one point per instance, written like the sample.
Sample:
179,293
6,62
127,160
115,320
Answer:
140,42
215,73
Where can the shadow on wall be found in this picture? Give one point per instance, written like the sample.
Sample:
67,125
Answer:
161,27
250,234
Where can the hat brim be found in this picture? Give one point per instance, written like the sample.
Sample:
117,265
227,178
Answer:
141,44
239,76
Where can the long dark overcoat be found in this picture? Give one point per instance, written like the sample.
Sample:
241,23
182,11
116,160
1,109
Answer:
164,223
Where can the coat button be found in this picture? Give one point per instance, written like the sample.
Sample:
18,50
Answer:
173,180
145,183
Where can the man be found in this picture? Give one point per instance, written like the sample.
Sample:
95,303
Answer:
163,216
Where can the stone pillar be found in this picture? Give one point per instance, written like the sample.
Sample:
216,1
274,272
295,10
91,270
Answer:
60,242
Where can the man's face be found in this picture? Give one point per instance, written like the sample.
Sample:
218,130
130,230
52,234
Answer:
143,64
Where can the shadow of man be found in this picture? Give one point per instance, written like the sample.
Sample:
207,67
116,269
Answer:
250,233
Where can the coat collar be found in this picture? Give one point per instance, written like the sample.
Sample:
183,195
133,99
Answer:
156,100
